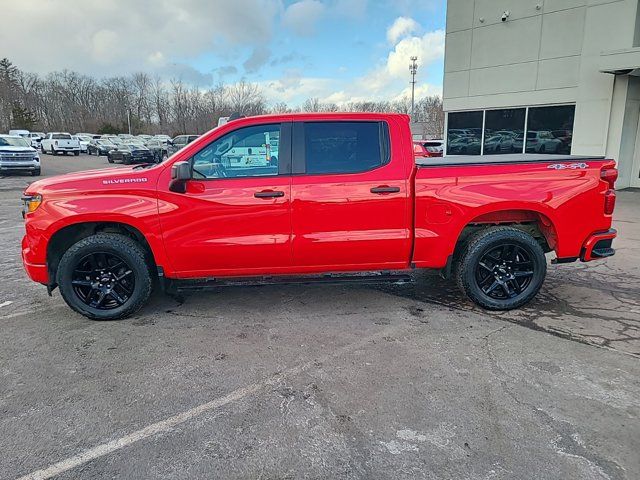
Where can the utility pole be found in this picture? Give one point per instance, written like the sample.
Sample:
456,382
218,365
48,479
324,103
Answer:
129,120
413,69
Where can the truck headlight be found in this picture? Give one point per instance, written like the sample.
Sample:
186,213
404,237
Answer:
31,203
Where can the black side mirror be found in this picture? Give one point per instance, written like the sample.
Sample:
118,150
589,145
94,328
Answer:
180,173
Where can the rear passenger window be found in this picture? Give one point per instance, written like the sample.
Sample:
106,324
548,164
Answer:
345,147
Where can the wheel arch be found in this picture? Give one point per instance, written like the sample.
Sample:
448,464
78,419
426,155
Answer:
531,221
66,236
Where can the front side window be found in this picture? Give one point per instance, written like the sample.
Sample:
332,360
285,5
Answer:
246,152
345,147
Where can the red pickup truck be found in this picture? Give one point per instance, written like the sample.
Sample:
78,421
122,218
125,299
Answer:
314,197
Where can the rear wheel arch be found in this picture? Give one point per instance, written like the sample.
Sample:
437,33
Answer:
67,236
533,222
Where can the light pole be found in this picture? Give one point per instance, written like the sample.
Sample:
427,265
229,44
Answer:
413,69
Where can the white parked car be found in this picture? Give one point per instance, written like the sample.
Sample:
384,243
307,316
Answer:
60,142
84,142
16,155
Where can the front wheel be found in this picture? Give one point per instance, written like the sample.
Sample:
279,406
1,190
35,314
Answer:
105,276
501,268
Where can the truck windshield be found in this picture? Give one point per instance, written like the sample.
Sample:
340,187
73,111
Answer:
13,142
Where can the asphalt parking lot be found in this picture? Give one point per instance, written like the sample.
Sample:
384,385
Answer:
287,382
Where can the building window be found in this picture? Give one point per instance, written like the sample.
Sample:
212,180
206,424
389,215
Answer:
501,128
464,133
550,129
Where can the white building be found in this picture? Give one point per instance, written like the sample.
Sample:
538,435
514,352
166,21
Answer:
562,74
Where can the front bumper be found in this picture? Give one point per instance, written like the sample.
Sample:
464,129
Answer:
37,272
598,245
19,166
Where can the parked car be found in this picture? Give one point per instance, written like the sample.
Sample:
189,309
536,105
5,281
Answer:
346,197
112,138
84,142
427,148
538,141
498,143
128,154
158,149
100,147
464,146
16,155
20,133
180,142
60,142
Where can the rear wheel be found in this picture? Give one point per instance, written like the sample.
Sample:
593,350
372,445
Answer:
77,154
35,173
501,268
105,277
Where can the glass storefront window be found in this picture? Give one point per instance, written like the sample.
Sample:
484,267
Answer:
501,130
464,133
550,129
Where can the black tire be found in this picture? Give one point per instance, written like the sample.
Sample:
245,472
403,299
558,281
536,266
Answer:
77,154
35,173
53,151
109,159
513,279
131,254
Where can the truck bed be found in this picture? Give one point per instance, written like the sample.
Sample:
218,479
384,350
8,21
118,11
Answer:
562,194
453,160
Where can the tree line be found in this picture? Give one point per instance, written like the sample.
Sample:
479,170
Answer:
70,101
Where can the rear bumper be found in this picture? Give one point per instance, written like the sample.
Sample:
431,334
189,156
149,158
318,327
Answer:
599,245
37,272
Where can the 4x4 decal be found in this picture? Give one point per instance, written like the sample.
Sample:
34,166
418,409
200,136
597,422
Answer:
568,166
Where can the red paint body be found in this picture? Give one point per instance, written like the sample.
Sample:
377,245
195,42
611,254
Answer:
323,223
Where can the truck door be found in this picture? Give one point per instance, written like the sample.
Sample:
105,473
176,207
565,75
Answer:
350,197
234,218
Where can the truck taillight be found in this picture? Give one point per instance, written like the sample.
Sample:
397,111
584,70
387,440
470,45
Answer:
609,174
609,201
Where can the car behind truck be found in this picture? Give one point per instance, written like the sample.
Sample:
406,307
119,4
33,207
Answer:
343,200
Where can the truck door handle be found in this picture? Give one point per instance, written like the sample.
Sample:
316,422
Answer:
269,194
385,189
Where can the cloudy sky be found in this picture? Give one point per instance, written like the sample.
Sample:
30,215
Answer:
336,50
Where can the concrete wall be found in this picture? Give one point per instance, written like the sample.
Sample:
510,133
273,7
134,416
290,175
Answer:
547,52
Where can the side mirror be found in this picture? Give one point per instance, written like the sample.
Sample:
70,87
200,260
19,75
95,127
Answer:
180,173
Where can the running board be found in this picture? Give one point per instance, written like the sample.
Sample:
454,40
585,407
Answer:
329,279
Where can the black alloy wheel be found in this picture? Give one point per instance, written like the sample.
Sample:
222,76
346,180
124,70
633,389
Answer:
501,268
504,271
103,281
106,276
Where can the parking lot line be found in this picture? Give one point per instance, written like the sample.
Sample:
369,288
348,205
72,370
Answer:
167,424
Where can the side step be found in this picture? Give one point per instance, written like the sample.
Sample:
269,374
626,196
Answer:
328,279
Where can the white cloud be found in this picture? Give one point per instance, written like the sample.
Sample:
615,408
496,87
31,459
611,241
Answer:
301,17
120,36
386,78
401,27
